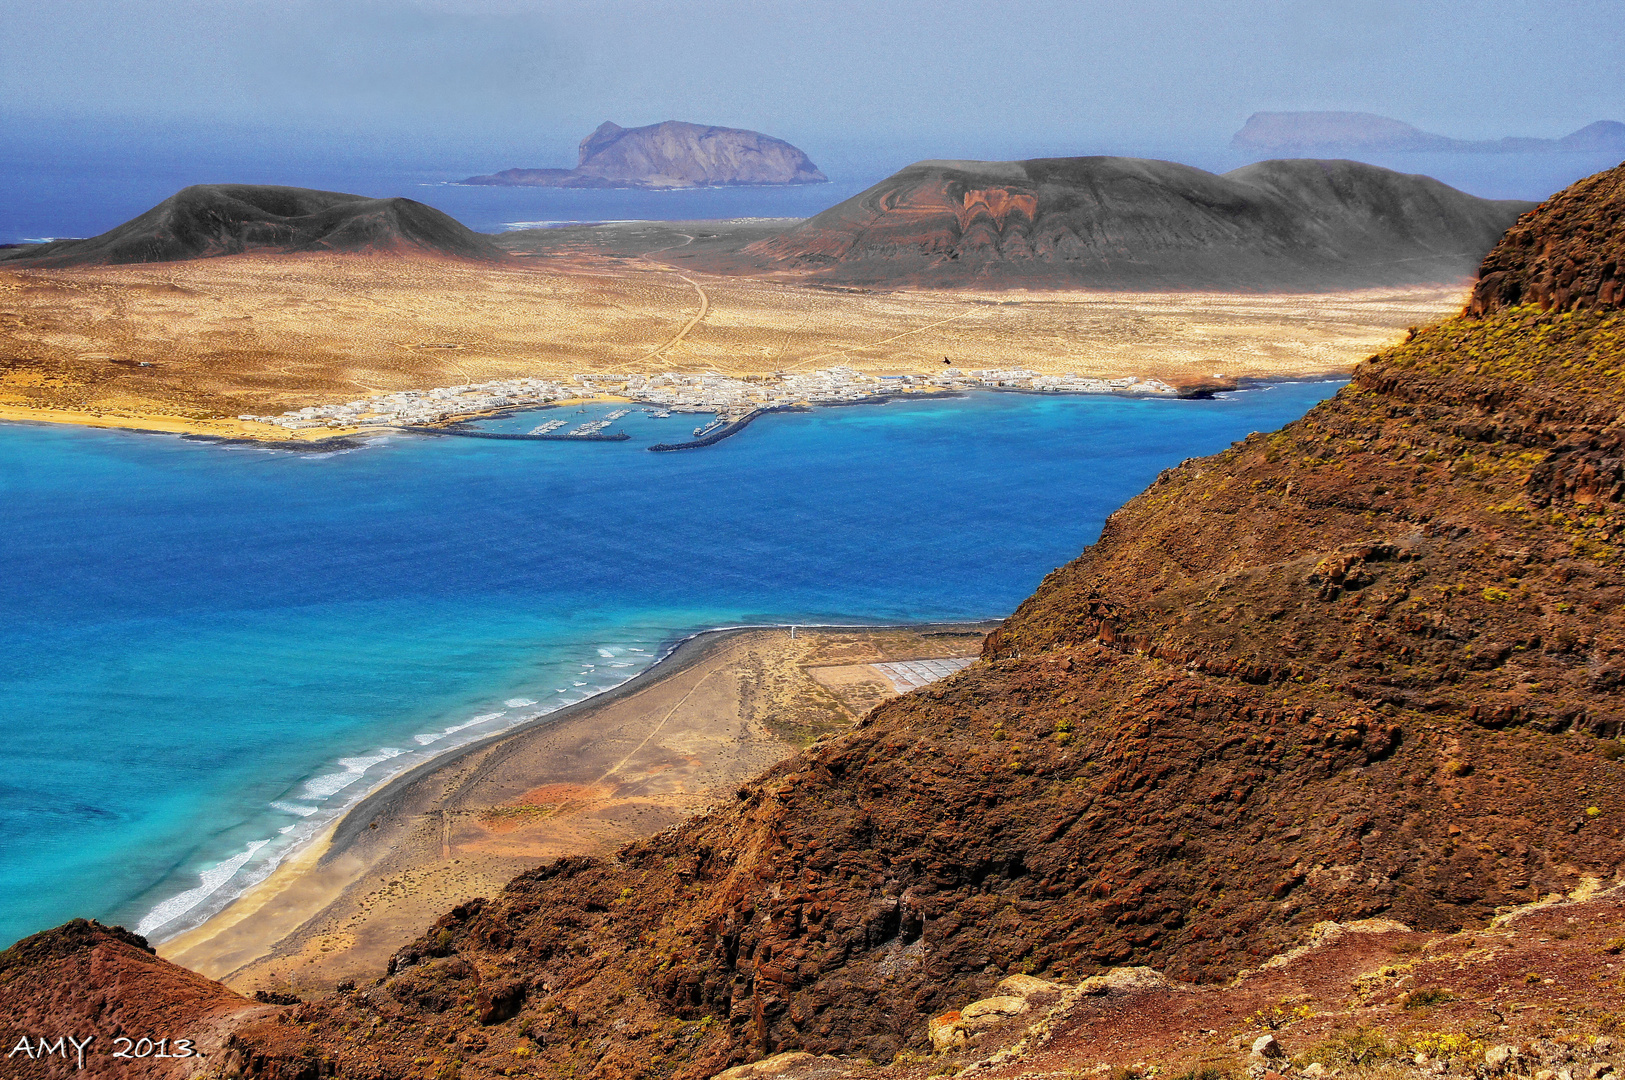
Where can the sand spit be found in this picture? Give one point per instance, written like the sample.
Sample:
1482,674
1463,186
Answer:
626,764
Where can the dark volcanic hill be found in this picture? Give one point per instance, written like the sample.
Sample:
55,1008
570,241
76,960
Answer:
207,220
1321,133
1132,223
1372,664
671,155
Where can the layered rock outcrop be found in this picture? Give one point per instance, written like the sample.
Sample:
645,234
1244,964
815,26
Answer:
209,220
671,155
1130,223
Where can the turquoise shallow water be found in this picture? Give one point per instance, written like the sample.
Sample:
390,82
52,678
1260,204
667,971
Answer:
206,651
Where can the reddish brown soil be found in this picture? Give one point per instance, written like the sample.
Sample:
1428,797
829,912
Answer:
1569,254
86,980
1546,985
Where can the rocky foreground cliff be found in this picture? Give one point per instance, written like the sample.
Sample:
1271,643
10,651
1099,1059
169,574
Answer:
1368,667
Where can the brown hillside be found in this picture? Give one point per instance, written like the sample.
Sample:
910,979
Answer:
99,982
1568,254
210,220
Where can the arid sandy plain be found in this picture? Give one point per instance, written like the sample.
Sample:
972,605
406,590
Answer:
189,346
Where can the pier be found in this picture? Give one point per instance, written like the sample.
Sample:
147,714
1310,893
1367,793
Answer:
717,434
516,436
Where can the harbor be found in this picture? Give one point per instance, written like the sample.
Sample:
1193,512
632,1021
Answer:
718,429
515,436
730,401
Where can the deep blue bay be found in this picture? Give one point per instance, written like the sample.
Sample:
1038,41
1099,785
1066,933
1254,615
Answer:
207,650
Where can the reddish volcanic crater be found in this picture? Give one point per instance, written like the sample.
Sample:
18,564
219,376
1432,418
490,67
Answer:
1133,223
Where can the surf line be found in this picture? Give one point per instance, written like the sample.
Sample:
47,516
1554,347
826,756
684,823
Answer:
169,918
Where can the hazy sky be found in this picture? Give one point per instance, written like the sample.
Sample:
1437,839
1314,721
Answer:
855,78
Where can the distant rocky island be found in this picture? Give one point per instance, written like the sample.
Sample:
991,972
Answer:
1320,133
208,220
1105,222
671,155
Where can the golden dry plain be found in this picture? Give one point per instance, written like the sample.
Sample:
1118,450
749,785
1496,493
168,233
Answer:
187,346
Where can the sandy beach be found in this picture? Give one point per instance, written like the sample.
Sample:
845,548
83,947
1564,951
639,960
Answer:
628,763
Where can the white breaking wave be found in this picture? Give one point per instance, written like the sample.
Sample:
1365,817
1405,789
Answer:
455,728
243,871
294,808
324,786
429,737
212,878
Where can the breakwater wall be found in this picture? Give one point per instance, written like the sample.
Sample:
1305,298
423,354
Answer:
462,433
727,429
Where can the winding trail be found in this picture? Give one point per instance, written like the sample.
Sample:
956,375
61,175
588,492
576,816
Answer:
705,301
613,769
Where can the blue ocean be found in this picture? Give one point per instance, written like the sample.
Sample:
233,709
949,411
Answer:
208,650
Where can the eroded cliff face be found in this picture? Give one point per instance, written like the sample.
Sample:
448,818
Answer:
1131,223
697,155
1369,665
1568,255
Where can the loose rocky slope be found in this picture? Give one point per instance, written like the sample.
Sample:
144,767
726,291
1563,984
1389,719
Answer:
1369,665
207,220
98,983
671,155
1130,223
1570,256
